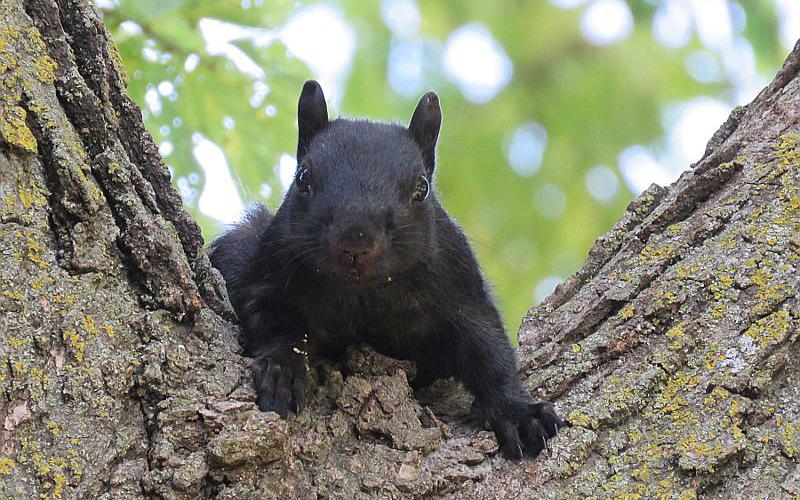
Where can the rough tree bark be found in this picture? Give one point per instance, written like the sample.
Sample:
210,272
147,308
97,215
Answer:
674,348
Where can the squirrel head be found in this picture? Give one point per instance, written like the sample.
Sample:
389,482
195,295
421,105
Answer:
361,207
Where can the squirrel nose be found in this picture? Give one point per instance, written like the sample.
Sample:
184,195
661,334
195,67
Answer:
355,244
356,247
352,256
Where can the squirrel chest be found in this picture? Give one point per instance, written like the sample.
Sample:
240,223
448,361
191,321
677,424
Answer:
392,321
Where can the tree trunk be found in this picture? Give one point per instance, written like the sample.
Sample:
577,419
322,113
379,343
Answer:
674,349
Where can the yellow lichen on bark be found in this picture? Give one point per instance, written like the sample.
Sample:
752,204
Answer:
23,62
14,130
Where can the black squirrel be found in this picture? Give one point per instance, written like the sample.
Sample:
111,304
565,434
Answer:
360,250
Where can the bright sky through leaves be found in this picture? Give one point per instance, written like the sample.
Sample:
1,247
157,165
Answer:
555,113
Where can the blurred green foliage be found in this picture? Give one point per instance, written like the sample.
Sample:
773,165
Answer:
593,101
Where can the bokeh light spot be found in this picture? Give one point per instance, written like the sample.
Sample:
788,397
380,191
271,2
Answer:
220,198
286,167
476,62
567,4
790,22
640,169
702,66
525,148
545,287
697,121
401,16
405,67
165,149
320,36
672,24
606,21
602,183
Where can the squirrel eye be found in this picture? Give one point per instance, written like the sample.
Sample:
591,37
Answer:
422,189
302,179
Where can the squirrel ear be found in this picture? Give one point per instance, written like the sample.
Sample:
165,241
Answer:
424,127
312,116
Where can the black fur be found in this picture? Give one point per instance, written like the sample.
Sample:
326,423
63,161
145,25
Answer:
352,256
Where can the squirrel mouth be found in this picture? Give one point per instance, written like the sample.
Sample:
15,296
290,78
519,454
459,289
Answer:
355,268
352,274
361,276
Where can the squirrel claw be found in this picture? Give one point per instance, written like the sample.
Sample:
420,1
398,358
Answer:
280,384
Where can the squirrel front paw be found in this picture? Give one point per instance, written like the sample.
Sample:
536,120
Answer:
522,428
280,383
